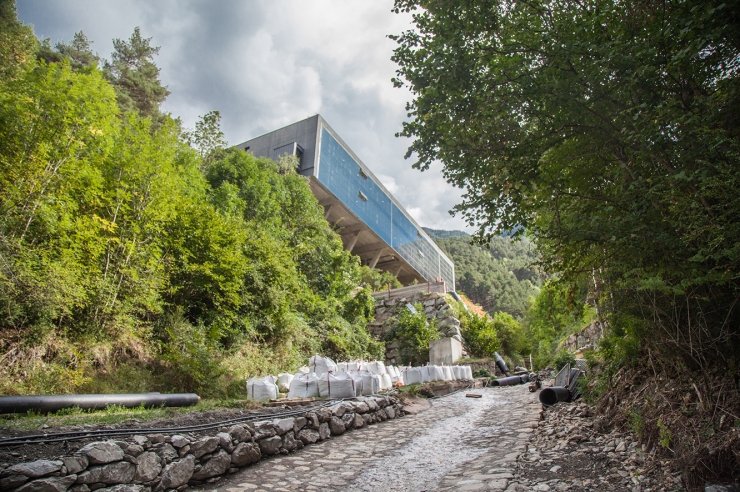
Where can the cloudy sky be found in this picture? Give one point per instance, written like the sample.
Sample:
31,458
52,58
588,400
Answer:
266,64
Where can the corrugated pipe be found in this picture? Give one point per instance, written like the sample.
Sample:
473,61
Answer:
510,380
52,403
554,394
501,364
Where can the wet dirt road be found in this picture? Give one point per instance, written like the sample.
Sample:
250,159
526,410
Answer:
458,443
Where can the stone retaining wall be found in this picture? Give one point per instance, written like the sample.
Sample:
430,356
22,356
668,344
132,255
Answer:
435,305
585,339
157,462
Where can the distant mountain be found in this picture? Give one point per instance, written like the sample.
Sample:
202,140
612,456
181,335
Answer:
437,234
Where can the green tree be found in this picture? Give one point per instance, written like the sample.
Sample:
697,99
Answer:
17,42
79,52
413,332
606,131
134,75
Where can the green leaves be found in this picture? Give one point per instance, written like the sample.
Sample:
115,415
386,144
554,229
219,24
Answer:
606,131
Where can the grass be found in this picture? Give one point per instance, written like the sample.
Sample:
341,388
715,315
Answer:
112,414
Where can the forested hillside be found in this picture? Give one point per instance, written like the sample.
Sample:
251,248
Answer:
501,277
136,255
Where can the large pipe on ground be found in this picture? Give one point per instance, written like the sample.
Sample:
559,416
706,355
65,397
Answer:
501,364
510,380
554,394
52,403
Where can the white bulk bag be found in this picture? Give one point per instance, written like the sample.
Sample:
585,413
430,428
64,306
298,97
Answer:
468,372
343,367
385,382
303,370
357,378
262,388
322,365
458,372
283,381
304,386
448,373
426,374
437,373
412,375
376,367
340,386
370,383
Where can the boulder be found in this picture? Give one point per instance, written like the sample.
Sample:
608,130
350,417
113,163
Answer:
270,445
204,446
148,467
177,473
348,419
141,441
289,442
299,423
324,414
245,454
361,407
390,412
263,430
166,452
239,433
120,472
339,409
283,425
12,481
358,422
336,425
324,431
133,450
217,465
75,464
126,487
102,452
312,420
50,484
179,441
35,469
308,436
224,440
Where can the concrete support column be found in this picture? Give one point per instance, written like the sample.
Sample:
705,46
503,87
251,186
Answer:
326,211
353,241
375,259
398,271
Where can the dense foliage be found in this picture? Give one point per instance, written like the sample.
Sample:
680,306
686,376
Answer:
413,332
500,276
130,256
609,132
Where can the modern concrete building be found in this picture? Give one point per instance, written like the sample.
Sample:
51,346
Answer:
371,222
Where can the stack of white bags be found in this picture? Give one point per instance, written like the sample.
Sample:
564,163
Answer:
323,377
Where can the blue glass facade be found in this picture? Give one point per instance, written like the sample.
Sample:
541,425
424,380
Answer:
345,178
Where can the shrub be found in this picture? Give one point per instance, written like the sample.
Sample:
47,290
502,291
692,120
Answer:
413,332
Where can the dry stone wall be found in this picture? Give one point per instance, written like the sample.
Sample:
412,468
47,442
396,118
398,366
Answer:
158,462
585,339
435,305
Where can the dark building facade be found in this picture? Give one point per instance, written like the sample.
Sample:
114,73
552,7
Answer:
371,222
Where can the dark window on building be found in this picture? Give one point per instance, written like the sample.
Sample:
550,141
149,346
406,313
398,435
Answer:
362,196
362,174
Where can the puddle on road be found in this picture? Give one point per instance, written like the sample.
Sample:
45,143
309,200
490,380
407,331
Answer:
425,460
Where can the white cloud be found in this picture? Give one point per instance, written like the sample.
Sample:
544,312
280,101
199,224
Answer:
266,64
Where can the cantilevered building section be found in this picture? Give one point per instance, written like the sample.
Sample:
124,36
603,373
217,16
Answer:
373,225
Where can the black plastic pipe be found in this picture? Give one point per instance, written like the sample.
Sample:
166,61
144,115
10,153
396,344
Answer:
554,394
52,403
510,381
501,364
